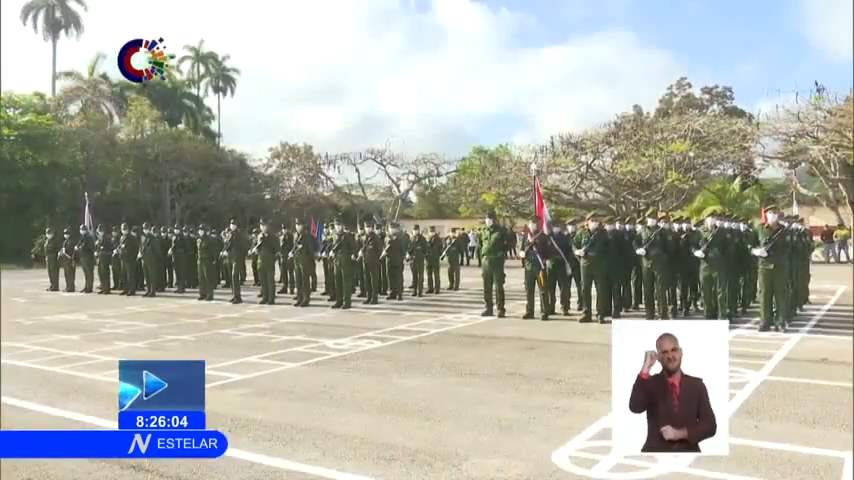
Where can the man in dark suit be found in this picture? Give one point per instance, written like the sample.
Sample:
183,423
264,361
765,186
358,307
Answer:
678,413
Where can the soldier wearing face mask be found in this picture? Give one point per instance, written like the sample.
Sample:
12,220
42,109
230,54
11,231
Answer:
50,249
799,274
393,253
454,251
633,293
207,253
179,251
590,246
116,260
711,248
68,261
303,253
560,271
372,248
253,258
128,247
167,276
620,254
434,252
234,251
492,247
654,247
574,265
773,254
537,254
104,255
148,254
416,253
85,252
688,266
267,248
359,262
287,268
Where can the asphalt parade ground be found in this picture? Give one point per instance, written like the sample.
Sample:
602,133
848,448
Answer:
421,389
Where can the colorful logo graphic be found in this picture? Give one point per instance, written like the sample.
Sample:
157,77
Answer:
144,60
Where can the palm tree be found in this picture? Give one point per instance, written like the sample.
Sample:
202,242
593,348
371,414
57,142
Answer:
93,91
732,196
179,104
222,82
53,18
199,62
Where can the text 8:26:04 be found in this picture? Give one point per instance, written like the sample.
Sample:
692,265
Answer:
162,421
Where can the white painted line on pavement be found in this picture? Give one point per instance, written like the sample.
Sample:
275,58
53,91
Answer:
787,447
272,462
811,381
848,468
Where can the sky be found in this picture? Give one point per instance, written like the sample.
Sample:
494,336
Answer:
444,75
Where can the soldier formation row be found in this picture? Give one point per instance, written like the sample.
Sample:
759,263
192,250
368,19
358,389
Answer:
670,266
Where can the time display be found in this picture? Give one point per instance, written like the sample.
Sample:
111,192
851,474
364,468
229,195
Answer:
132,420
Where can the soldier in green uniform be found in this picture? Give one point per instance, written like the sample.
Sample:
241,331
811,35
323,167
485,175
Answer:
128,248
416,254
148,255
267,249
537,254
673,227
191,236
711,248
359,262
654,245
206,254
806,247
591,248
167,279
454,251
631,259
253,259
327,263
178,251
382,231
560,271
85,253
773,253
50,249
687,265
748,286
342,252
287,272
68,261
492,248
435,248
393,253
372,248
224,265
620,256
574,264
303,254
104,254
116,264
234,252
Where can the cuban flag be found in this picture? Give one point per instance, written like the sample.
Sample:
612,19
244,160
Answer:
317,230
540,208
87,215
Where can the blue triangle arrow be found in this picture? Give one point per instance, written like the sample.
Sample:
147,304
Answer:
151,385
127,395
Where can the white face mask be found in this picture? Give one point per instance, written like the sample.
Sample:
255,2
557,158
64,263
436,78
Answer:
718,223
489,222
370,229
83,232
629,227
651,222
201,232
416,232
677,227
742,226
664,225
232,227
687,227
533,227
727,225
593,225
176,231
393,231
146,231
49,235
555,230
264,229
609,227
125,231
771,217
300,228
339,228
570,228
66,235
619,226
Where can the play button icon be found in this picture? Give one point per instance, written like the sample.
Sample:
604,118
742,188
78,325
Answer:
151,385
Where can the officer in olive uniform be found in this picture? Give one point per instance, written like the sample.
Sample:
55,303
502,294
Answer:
287,272
67,260
687,265
327,262
591,247
104,254
148,254
267,249
804,259
393,254
359,261
207,252
537,254
303,254
234,252
382,231
416,253
372,248
493,240
654,245
773,253
256,276
167,267
116,263
435,248
454,251
85,253
191,234
560,271
178,252
711,248
51,251
574,264
343,252
128,249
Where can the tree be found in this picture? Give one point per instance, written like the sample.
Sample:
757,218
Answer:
733,196
198,62
53,19
815,133
222,81
92,91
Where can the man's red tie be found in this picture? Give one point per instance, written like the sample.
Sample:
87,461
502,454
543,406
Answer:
674,394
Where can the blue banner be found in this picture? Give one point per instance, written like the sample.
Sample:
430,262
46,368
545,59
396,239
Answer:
137,420
111,444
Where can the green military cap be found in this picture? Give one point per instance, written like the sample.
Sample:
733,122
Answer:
592,215
663,216
48,230
454,230
772,208
204,227
491,214
146,225
651,213
368,224
393,225
630,220
67,230
608,219
432,228
164,229
571,220
233,221
618,220
298,221
416,227
176,227
101,226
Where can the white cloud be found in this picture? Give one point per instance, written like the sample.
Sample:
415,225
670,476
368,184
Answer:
348,74
829,27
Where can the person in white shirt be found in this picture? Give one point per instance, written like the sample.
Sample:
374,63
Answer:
474,247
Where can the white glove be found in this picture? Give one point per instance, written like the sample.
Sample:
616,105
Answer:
222,254
759,252
353,257
116,251
579,252
324,254
139,256
641,251
170,252
407,257
699,254
290,254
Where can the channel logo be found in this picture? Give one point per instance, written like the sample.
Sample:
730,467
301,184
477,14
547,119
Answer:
150,386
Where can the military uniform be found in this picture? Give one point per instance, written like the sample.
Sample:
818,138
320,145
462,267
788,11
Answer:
574,264
591,248
287,272
416,253
393,254
711,248
164,262
253,260
454,252
51,250
303,254
192,256
235,250
104,255
178,252
654,245
116,261
435,249
343,251
207,252
620,255
267,249
492,248
537,254
560,272
773,253
84,252
68,260
370,252
148,253
128,249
